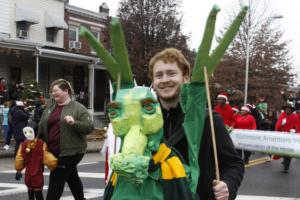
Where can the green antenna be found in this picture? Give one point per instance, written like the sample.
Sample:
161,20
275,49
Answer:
119,62
211,61
120,51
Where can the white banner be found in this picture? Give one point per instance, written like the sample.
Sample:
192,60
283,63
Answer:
269,142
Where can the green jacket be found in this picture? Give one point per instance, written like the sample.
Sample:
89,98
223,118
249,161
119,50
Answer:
72,138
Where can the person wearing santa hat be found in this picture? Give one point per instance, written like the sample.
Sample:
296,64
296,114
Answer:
245,121
225,110
236,113
287,122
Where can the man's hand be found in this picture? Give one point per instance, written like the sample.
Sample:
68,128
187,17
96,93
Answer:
228,128
220,190
18,176
69,119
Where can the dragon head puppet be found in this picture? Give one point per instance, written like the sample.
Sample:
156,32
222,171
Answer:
137,118
134,111
136,115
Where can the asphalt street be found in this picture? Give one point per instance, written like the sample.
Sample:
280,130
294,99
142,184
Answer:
264,180
91,171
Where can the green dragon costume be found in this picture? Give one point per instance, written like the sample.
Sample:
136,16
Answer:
146,168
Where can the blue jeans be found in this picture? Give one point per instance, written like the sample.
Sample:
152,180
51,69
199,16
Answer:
7,134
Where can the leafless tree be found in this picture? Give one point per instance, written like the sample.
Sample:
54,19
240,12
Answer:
270,67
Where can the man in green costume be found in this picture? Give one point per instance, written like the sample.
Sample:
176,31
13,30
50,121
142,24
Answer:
172,159
170,73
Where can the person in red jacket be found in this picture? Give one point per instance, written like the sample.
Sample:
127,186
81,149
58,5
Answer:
245,121
287,122
225,110
2,90
32,155
298,116
236,113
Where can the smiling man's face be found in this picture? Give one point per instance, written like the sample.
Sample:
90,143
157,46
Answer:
167,79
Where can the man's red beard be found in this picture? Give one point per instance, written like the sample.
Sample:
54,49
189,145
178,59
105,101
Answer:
170,85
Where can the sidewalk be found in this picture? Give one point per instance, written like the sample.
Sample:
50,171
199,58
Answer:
95,142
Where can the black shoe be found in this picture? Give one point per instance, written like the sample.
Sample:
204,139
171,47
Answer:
285,171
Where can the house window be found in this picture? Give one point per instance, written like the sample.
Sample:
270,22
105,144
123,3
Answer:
73,33
51,34
22,29
97,35
74,42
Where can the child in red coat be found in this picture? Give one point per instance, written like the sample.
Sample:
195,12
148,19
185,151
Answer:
33,155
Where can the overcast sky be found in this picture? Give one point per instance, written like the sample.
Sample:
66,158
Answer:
195,14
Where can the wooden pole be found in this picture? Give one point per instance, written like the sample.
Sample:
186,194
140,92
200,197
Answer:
213,136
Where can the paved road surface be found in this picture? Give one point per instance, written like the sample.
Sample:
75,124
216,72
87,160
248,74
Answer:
263,180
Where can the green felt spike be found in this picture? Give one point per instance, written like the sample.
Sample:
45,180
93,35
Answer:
204,48
120,52
219,52
203,57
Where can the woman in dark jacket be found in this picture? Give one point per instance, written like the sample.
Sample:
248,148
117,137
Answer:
18,118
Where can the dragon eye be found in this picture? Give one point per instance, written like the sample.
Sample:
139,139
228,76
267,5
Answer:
112,113
149,109
149,106
113,109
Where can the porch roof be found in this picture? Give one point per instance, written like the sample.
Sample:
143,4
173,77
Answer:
67,56
18,44
38,50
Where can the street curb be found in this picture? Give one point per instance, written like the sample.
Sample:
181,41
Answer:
6,154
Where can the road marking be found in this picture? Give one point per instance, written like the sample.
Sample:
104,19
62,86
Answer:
81,174
260,159
14,189
88,163
88,194
85,175
257,161
246,197
95,193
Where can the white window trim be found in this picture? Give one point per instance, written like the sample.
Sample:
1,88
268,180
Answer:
75,28
71,23
98,38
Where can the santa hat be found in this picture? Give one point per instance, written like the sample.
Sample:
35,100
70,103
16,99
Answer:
250,106
235,108
288,105
223,95
245,108
19,103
